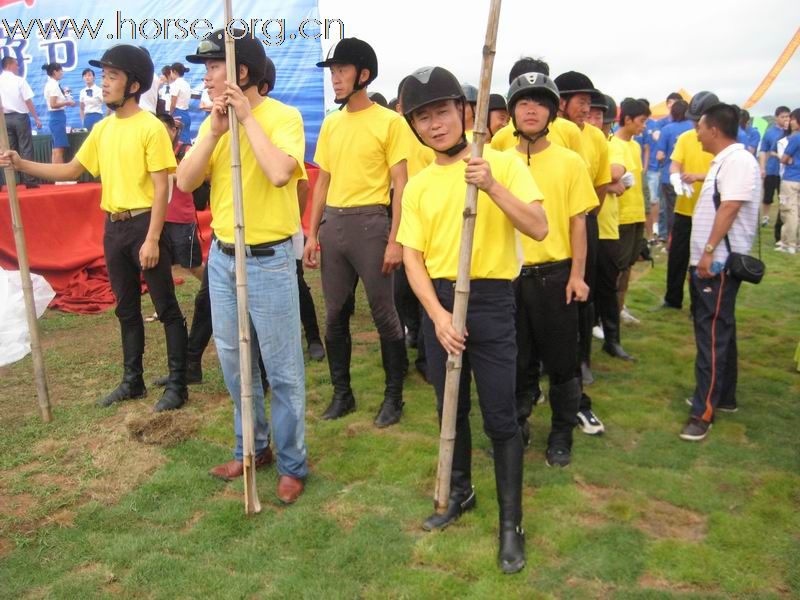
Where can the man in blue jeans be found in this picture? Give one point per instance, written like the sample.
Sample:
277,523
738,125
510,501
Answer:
272,147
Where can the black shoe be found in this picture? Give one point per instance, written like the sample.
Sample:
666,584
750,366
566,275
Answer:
316,351
695,430
457,505
586,374
557,456
512,550
395,362
617,351
340,406
508,478
665,306
127,390
171,399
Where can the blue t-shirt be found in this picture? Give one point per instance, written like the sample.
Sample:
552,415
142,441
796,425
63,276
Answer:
753,138
792,172
741,138
666,143
646,139
769,143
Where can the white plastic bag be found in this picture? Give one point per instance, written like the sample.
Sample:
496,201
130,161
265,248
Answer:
15,341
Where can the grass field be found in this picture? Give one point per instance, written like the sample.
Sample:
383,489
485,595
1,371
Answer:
87,511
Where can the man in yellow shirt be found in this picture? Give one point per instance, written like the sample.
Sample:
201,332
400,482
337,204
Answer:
132,152
361,151
632,118
561,131
430,232
608,250
551,283
690,164
498,114
272,145
576,99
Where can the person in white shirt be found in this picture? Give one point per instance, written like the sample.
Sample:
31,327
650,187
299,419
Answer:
17,97
164,93
725,220
91,101
57,99
181,93
149,100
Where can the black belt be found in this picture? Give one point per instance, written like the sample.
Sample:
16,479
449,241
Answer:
369,209
265,249
539,270
126,214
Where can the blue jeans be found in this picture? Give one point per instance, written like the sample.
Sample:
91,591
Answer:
275,329
653,183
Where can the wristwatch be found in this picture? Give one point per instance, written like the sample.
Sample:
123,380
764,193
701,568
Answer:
709,249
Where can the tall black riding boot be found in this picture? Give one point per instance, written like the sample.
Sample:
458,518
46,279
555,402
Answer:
508,477
564,401
395,363
343,402
585,324
175,392
462,494
611,343
132,386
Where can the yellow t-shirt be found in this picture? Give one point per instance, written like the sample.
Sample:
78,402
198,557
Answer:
631,203
562,132
270,213
419,156
595,147
358,149
608,219
563,179
433,204
124,152
689,152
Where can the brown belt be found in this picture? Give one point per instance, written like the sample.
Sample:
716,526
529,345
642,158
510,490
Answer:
126,214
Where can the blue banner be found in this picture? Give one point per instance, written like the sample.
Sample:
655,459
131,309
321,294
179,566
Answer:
36,32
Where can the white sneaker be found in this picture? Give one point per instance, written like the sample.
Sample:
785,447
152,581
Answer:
790,250
765,221
589,423
778,245
597,332
627,317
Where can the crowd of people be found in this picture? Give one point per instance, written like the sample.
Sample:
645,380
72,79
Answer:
573,189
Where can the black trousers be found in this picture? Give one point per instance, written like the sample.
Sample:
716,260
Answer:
121,243
668,193
678,259
716,366
308,312
408,307
609,265
20,138
490,356
547,332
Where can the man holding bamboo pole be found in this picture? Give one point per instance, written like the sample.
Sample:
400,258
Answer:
430,231
272,146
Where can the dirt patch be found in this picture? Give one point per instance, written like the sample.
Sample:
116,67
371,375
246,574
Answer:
656,518
5,547
161,429
16,505
656,583
357,427
196,517
664,520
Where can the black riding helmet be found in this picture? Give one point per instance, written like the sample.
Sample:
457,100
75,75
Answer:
134,62
533,85
700,102
572,82
599,101
610,115
249,52
356,52
426,86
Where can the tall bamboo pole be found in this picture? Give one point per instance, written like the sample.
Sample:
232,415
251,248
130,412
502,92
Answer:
251,503
25,279
447,435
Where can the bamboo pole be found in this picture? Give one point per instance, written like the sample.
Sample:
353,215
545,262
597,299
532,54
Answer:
251,501
25,279
447,435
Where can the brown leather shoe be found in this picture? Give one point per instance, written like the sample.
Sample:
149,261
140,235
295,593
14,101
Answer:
289,489
233,469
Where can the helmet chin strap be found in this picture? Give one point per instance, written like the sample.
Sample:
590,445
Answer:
531,139
462,143
120,103
342,102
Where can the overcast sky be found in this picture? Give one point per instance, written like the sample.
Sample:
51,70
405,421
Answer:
627,47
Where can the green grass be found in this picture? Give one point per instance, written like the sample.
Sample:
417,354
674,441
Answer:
85,512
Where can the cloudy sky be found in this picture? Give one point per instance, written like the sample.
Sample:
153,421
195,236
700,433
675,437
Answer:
627,47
